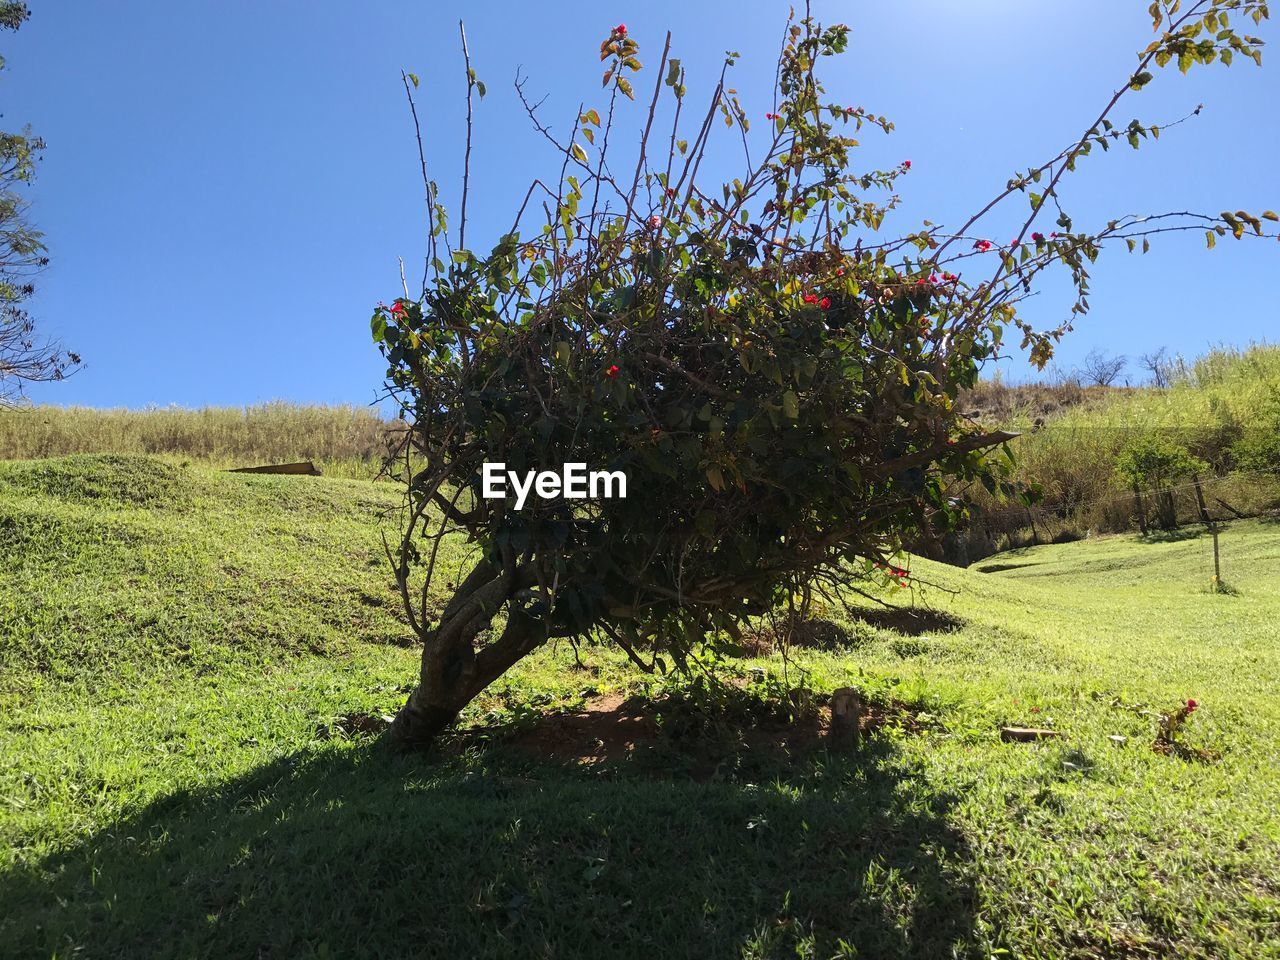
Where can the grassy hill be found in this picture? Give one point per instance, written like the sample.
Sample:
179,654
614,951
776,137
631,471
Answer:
344,440
177,646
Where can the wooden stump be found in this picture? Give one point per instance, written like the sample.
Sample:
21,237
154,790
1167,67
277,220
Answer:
846,720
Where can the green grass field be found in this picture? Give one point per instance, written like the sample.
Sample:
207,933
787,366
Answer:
174,641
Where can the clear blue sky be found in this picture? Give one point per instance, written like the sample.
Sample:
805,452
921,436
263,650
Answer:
227,185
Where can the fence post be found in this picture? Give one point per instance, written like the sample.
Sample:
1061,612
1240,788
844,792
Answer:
1213,529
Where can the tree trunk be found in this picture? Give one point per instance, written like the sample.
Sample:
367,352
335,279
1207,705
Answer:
1140,509
1168,510
453,671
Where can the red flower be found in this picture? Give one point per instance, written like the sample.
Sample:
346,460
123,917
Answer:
612,371
655,222
933,278
921,282
825,303
620,30
1037,237
771,116
906,164
1191,706
982,246
839,271
810,298
951,442
397,310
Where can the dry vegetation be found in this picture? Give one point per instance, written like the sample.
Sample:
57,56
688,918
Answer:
344,440
1073,435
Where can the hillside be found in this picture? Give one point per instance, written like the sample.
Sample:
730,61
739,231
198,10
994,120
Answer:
177,646
1223,408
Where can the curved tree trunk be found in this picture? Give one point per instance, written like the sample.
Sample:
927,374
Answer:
453,671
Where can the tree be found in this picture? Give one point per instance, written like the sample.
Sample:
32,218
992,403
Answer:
777,382
1159,366
23,357
1102,370
1154,464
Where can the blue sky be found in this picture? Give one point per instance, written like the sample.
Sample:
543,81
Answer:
227,186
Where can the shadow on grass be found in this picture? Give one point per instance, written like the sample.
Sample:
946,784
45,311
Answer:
1001,567
1177,535
910,621
355,850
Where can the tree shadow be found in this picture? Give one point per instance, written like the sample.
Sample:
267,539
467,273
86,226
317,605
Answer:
357,850
910,621
1176,535
1002,567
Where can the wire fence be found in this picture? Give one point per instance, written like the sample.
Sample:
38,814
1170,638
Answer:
1169,511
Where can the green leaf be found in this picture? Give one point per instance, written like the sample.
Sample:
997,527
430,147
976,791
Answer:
480,88
578,153
790,405
673,73
414,77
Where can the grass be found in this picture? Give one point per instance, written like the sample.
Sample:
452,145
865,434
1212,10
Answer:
172,639
345,441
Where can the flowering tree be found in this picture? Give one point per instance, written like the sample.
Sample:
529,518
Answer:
776,379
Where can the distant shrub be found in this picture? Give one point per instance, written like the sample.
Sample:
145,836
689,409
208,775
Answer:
1155,464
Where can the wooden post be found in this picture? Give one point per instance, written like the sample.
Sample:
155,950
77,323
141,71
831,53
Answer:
846,720
1212,524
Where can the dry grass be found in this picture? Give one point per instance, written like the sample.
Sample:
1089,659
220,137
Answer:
345,441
